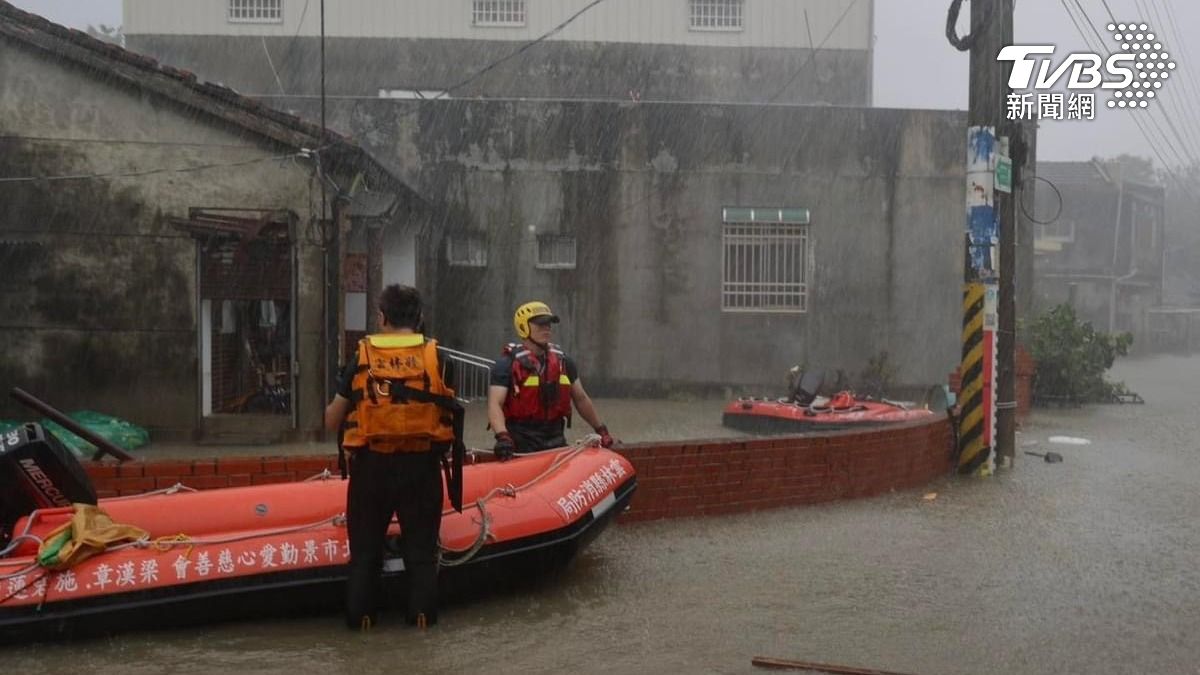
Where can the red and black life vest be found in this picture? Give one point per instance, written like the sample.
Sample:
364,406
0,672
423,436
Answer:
540,390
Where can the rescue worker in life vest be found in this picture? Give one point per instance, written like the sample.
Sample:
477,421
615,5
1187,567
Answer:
532,387
395,408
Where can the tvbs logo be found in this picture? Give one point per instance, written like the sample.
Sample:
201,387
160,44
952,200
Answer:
1083,70
1134,73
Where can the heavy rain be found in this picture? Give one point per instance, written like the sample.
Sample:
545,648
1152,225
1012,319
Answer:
848,336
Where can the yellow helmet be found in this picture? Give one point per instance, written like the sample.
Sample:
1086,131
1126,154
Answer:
528,311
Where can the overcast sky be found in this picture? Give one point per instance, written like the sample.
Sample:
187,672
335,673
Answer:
915,67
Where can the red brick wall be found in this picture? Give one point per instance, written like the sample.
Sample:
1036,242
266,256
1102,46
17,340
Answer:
736,475
694,478
131,478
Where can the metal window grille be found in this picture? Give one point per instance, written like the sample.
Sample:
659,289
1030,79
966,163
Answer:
498,12
716,14
256,11
556,251
766,267
466,250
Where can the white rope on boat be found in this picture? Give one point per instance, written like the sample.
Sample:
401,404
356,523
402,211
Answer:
511,491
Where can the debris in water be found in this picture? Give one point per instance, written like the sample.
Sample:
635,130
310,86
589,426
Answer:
930,496
1069,440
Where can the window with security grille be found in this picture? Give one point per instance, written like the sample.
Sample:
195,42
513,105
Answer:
498,13
256,11
766,260
556,251
715,14
466,250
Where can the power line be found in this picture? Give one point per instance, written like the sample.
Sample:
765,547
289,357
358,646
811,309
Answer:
1187,89
520,50
147,172
764,107
1149,141
812,51
124,141
1177,102
1187,146
1104,50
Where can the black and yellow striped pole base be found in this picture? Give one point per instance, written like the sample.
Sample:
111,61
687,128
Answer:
973,450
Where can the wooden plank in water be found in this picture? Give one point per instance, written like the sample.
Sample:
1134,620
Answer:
788,664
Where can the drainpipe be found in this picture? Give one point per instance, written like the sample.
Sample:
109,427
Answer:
1117,281
1112,291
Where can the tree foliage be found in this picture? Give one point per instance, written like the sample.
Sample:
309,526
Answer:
1072,358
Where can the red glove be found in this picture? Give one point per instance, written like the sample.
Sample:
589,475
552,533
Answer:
606,439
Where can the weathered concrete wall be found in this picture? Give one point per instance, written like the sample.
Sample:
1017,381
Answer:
642,187
596,70
98,305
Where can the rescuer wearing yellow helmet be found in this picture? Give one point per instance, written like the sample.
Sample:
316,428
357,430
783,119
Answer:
532,387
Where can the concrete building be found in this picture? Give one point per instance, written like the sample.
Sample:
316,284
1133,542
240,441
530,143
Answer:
686,244
646,170
162,244
1102,249
674,50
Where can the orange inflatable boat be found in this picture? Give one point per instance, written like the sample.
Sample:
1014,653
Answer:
263,549
782,416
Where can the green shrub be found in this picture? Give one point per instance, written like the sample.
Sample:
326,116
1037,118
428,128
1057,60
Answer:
1072,358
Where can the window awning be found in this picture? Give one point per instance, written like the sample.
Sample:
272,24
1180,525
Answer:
770,214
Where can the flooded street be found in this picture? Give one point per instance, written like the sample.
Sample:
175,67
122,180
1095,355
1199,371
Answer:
1088,566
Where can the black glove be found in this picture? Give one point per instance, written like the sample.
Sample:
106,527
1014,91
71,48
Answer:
504,447
606,439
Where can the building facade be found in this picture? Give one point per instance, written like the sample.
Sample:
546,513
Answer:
688,245
646,170
747,51
1101,248
163,245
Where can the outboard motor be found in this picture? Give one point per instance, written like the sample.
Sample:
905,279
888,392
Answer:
37,471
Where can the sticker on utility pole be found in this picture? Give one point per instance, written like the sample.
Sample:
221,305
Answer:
1003,174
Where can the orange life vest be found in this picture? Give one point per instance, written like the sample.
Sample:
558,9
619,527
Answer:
540,389
396,390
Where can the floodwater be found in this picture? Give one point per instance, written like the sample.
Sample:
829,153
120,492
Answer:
1088,566
629,420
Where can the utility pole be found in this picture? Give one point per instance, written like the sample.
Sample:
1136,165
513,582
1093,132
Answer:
330,229
1013,147
987,395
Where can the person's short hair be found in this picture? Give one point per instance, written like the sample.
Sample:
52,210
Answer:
401,306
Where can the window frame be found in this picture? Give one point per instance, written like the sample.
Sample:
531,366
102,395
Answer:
709,10
761,272
471,259
555,239
496,8
246,6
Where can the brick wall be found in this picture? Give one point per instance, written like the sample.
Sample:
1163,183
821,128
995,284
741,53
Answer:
694,478
131,478
736,475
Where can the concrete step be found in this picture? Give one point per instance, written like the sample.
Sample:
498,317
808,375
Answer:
244,429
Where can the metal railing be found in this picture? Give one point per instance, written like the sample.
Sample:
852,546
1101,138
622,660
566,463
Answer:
469,376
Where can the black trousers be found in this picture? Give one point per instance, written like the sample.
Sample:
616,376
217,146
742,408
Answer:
535,436
408,485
